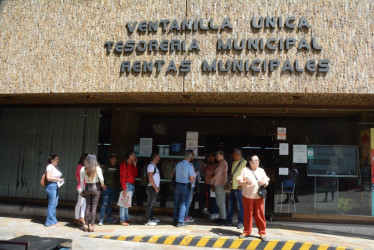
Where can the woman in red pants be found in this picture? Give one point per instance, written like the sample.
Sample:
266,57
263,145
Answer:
250,179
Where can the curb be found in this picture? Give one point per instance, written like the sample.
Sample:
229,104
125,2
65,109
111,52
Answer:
216,242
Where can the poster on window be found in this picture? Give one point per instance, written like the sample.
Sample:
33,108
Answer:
300,154
281,133
145,148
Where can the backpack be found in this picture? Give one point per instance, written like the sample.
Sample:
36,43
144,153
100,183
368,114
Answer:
145,180
43,180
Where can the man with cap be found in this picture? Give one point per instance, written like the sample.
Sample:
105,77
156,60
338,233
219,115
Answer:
111,179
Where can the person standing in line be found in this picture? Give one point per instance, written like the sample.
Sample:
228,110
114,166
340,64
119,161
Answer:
235,195
219,180
209,172
184,174
187,218
92,175
80,207
251,178
111,177
153,188
128,172
53,175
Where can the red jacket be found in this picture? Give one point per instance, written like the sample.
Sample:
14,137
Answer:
127,174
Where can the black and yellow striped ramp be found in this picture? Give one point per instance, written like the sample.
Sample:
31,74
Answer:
216,242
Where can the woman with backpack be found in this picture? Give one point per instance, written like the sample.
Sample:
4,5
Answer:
53,178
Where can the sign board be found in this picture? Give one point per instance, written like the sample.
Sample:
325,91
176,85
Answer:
192,135
283,171
281,133
300,154
136,149
192,141
145,147
283,148
333,160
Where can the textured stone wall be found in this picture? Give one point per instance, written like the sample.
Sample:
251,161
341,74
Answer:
58,46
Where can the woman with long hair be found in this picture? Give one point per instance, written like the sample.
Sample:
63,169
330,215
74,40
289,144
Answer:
80,207
53,175
92,174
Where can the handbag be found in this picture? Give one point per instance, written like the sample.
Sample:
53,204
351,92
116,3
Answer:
261,189
43,180
228,185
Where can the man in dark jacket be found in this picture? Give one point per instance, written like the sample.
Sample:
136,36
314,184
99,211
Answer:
111,180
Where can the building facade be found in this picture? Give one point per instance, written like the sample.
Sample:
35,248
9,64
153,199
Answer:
96,76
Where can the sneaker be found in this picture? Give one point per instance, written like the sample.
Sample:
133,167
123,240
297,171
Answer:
155,220
240,226
214,216
111,220
151,223
100,224
188,219
182,224
205,211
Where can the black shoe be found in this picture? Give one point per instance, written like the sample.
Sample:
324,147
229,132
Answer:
219,221
182,224
227,224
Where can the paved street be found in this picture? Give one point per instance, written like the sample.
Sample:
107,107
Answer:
11,228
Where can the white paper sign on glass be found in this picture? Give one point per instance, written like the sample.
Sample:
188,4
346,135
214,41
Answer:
283,148
283,171
145,147
191,135
300,154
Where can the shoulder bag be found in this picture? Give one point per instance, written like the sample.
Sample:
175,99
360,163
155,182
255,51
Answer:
261,189
228,185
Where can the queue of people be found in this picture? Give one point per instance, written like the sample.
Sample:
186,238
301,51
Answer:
244,187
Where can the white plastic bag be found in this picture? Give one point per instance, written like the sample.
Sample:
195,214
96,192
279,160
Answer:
125,201
212,194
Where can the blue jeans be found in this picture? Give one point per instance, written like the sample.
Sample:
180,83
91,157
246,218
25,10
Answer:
180,199
124,211
189,200
235,196
52,194
106,202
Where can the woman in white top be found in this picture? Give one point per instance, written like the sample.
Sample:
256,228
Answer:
53,177
92,174
250,179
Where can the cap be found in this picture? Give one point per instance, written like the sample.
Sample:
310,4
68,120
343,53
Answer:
113,156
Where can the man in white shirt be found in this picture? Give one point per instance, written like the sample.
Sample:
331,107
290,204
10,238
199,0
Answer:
153,188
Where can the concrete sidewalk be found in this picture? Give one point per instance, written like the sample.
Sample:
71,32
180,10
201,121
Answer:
12,227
